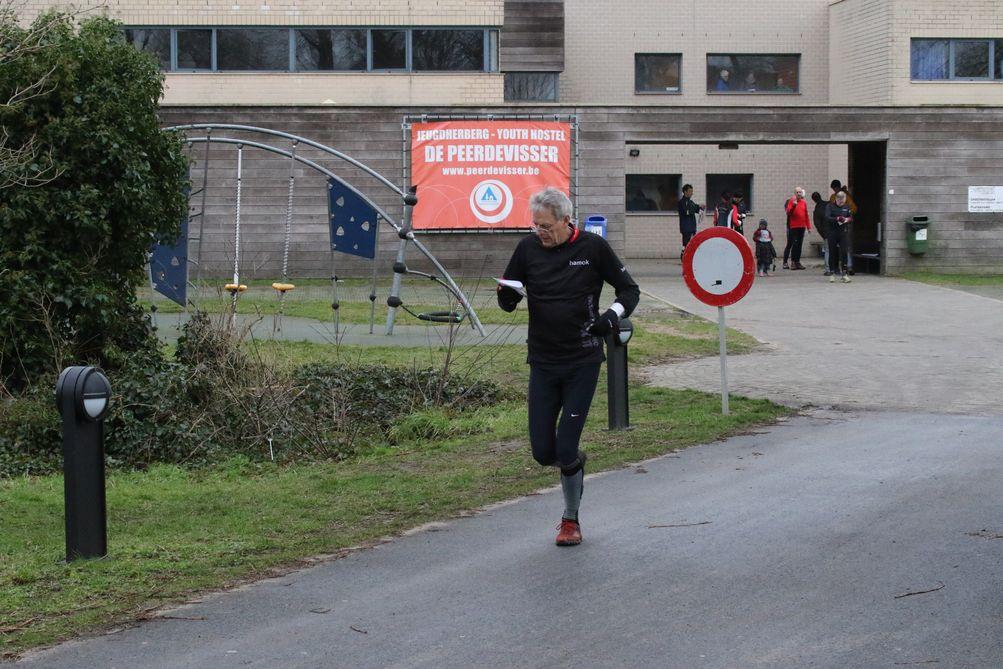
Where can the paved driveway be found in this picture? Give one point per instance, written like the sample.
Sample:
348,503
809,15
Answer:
803,545
878,343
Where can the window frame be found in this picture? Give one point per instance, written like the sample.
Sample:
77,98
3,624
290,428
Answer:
714,195
276,29
489,65
485,47
557,88
993,76
170,40
370,53
679,56
795,91
652,212
293,44
174,50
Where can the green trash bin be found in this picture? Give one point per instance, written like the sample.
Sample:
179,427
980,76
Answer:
917,234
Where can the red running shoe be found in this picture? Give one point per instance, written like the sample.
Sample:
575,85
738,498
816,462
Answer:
570,533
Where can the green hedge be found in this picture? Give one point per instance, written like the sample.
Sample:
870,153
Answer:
101,183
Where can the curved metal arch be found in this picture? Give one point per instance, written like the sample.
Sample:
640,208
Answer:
409,235
300,159
278,133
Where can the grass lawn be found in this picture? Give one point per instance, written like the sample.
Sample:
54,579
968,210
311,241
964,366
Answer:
955,279
174,532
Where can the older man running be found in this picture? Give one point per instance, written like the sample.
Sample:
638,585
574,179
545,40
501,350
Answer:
563,270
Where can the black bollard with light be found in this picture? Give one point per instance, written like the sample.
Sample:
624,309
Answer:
616,375
82,396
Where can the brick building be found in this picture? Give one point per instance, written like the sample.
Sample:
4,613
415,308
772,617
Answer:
902,99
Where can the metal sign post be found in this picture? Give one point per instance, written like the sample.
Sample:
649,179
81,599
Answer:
721,330
719,269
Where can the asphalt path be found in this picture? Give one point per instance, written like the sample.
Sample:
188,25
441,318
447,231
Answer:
799,546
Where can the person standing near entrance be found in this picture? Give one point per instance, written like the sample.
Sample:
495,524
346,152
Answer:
838,188
800,221
724,211
688,210
818,217
839,216
563,270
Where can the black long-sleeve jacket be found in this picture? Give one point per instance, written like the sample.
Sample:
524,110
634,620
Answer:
563,284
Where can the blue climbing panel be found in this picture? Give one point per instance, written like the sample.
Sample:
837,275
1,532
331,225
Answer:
169,267
353,221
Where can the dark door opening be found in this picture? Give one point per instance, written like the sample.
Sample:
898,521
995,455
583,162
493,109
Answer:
867,180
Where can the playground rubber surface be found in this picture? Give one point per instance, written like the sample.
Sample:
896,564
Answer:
307,329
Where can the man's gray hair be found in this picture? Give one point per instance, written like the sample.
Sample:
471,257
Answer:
552,200
840,196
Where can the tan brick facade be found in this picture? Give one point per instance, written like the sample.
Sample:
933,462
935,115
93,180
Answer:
602,41
284,88
875,65
854,71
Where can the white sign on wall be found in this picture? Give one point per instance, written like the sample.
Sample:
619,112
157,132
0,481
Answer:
985,199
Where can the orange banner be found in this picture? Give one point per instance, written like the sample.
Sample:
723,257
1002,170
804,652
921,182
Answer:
481,174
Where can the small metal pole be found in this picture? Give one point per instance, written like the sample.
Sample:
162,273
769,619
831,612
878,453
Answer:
372,290
236,243
335,305
82,397
618,403
724,360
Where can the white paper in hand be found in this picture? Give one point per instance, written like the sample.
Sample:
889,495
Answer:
514,285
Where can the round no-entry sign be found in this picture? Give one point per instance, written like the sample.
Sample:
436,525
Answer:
719,266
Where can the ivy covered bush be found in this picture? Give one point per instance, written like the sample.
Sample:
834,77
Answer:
101,181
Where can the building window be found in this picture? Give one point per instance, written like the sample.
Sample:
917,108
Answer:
194,50
389,49
447,50
964,59
972,59
740,184
931,59
319,49
492,51
656,72
260,49
330,49
652,192
753,73
154,41
531,86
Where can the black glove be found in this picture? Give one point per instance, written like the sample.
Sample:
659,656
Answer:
508,298
606,323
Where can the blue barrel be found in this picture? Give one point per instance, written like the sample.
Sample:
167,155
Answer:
596,225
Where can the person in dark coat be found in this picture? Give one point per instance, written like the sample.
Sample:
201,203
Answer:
723,211
688,210
818,217
839,216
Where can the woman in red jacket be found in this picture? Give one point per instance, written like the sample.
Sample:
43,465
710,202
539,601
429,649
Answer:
800,222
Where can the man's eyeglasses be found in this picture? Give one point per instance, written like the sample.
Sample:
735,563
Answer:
548,228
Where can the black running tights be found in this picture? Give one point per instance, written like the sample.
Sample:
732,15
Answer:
559,401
